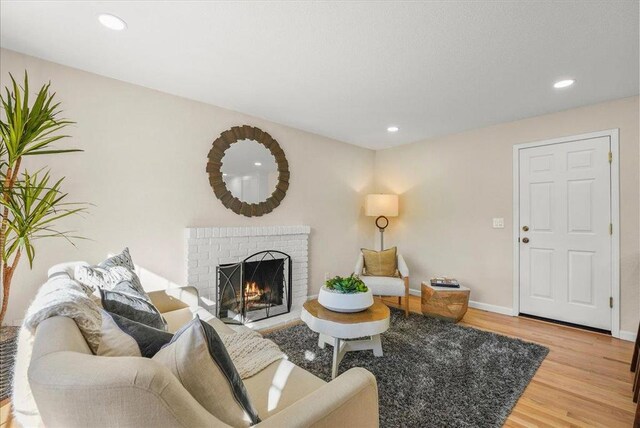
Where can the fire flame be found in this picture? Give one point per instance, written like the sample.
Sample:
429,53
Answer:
252,291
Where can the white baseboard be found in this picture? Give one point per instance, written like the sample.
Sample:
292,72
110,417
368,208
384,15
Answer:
312,296
624,335
478,305
627,335
491,308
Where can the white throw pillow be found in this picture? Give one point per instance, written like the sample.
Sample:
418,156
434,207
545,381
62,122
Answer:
197,357
109,273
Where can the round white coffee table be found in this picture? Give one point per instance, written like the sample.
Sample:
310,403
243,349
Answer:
334,327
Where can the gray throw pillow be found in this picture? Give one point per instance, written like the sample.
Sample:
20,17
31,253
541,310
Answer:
122,259
134,307
121,337
198,358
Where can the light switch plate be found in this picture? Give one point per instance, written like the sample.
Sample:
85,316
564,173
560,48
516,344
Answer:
498,223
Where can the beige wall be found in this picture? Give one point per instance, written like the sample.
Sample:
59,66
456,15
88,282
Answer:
451,188
144,169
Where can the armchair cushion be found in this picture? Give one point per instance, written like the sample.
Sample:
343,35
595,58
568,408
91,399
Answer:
380,263
385,285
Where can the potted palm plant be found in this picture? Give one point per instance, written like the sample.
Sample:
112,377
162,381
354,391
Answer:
30,202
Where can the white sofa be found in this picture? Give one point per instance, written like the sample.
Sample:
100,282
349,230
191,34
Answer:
74,388
387,285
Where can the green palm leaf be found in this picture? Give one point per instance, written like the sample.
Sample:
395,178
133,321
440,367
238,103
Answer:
27,130
34,204
30,204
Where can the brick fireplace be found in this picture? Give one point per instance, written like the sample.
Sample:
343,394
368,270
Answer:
211,247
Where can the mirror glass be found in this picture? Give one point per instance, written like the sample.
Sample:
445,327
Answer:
250,171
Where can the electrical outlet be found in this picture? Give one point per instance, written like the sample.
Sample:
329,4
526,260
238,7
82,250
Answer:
327,276
498,223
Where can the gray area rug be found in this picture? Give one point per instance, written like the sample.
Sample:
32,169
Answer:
8,349
433,373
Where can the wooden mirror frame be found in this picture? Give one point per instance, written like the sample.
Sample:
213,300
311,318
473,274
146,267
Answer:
214,169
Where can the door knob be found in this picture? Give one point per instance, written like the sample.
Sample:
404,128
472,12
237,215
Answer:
525,240
525,228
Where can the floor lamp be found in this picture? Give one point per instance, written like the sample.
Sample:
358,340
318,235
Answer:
381,206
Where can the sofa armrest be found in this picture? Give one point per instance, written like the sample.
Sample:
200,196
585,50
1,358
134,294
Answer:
350,400
172,299
73,388
402,266
79,390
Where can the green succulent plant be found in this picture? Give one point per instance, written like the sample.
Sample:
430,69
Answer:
348,285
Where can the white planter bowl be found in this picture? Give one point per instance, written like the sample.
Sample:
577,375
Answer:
341,302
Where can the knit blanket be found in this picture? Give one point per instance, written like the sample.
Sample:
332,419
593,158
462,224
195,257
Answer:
250,352
64,297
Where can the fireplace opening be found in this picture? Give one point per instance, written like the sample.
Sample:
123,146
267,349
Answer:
256,288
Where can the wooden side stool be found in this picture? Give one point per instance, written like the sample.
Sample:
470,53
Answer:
443,302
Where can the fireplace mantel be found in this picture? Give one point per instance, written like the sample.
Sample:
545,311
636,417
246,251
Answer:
230,232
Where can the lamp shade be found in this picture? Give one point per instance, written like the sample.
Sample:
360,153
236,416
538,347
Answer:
379,204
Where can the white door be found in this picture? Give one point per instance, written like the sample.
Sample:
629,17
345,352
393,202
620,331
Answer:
565,241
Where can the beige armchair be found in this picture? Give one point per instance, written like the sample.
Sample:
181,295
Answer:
388,285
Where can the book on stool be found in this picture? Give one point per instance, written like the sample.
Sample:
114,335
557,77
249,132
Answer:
442,281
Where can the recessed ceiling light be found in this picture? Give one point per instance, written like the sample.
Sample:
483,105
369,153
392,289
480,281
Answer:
563,83
224,174
112,22
393,129
257,163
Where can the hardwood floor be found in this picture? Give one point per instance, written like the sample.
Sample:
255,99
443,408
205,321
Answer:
5,421
584,381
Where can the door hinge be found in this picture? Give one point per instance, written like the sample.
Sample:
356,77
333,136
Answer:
611,302
610,157
610,228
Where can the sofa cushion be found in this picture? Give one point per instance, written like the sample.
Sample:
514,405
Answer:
177,319
122,337
384,285
380,263
197,357
279,385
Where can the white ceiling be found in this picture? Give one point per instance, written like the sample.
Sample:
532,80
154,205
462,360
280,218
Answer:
347,70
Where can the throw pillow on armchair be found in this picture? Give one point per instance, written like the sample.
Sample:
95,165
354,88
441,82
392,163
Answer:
380,263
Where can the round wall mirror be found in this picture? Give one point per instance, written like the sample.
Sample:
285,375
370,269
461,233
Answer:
248,171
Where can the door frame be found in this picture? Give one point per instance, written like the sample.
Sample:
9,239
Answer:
613,135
